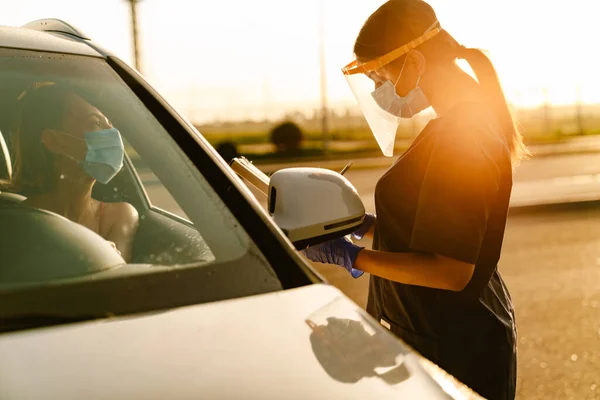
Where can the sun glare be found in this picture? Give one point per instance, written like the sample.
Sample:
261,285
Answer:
263,58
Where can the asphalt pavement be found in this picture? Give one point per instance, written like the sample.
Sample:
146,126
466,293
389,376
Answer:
544,180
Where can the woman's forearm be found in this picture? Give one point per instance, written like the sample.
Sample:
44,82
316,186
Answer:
428,270
371,231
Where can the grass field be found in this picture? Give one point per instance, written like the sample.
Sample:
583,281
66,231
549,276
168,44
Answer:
256,145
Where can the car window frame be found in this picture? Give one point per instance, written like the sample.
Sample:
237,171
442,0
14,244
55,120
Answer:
100,295
270,240
290,270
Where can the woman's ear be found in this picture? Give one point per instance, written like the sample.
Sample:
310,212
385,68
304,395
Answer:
51,141
418,61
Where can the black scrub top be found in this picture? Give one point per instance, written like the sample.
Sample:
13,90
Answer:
449,194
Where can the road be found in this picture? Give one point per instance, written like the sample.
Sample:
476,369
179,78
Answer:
551,263
536,180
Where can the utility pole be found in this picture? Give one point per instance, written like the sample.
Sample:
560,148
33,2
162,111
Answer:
547,127
579,112
266,99
134,33
324,108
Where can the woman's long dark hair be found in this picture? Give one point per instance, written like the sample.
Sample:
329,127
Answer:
398,22
33,167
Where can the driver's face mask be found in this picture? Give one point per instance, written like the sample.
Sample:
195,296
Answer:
403,107
104,156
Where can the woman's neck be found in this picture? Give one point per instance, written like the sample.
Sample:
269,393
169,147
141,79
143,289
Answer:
70,199
448,87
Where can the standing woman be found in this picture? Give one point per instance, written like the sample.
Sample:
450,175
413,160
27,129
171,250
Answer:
441,209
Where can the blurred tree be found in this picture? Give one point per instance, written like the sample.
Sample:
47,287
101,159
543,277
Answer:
227,150
287,138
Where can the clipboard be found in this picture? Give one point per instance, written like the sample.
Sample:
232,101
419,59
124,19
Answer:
250,173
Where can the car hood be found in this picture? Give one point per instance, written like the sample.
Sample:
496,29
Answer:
310,342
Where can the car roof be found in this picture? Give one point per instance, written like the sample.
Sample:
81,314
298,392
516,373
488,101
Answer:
50,35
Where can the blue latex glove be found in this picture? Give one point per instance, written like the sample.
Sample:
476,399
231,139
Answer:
340,252
364,227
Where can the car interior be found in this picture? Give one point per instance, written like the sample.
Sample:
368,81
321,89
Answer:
162,238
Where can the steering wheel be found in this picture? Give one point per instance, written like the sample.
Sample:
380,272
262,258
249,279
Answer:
39,246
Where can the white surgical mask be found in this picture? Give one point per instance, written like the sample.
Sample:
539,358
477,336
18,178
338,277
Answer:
104,156
403,107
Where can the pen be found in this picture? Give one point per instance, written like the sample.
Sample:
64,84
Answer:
346,168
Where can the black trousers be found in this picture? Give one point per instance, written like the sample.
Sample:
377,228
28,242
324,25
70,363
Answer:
488,364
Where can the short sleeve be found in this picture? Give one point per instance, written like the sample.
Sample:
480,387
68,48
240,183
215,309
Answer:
459,189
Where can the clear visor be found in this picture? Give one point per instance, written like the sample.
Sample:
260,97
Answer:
383,125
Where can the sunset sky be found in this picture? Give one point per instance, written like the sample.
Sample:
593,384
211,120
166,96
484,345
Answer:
239,58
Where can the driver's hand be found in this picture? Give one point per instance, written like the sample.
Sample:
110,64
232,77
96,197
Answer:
114,246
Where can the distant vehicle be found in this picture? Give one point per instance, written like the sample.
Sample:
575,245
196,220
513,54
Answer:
216,302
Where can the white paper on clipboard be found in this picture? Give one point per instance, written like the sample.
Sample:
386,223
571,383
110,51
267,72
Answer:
248,171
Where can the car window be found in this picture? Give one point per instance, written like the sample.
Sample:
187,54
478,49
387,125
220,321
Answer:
98,185
158,195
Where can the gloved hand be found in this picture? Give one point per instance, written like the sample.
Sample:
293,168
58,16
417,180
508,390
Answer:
340,252
364,227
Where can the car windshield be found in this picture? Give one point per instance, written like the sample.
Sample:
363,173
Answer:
94,190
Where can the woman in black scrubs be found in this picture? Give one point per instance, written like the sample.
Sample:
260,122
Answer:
441,208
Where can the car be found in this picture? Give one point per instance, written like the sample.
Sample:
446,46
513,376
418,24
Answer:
215,302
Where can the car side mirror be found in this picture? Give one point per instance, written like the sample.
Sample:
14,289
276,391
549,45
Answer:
313,205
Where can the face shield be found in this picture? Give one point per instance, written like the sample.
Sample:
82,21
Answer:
365,78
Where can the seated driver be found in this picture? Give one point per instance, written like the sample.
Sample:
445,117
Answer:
63,146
